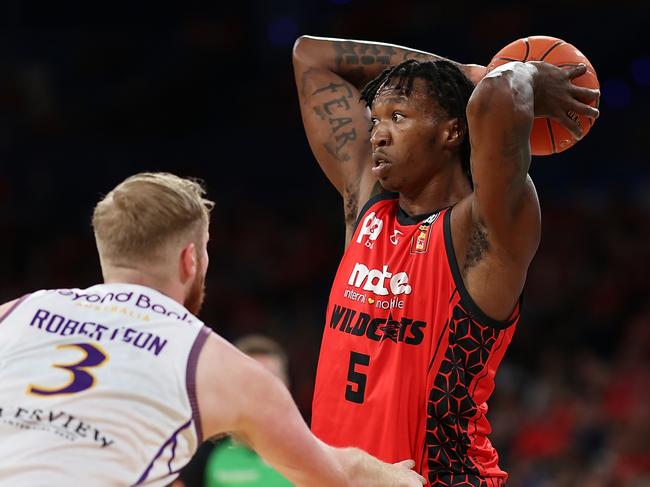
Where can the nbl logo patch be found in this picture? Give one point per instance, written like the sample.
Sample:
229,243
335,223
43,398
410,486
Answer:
420,241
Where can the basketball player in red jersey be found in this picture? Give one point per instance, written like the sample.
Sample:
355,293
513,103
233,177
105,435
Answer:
427,295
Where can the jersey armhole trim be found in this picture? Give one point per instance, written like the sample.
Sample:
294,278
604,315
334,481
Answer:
172,440
190,379
466,300
375,199
13,307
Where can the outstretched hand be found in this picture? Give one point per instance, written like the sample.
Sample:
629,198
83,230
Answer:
558,98
406,477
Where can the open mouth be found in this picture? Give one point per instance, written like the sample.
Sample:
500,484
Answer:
381,167
379,158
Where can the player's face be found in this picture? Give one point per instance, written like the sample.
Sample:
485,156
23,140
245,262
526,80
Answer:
196,293
405,137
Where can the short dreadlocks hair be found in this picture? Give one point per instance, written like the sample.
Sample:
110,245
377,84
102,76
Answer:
445,82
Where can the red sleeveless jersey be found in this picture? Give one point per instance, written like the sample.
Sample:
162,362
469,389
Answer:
407,360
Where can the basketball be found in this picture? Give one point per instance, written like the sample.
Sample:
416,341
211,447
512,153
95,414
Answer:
548,136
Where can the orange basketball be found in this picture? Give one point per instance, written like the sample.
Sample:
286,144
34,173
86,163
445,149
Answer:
548,136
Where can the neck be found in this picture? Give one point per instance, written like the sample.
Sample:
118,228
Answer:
118,274
445,188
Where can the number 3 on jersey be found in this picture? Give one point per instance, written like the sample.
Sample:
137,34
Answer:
358,378
80,379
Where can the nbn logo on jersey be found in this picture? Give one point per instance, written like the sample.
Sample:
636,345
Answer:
375,280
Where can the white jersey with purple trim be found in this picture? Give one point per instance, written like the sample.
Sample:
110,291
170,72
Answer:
97,387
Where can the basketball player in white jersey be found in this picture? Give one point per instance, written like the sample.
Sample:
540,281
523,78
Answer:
119,383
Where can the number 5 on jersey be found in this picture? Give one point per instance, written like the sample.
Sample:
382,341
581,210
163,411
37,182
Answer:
357,378
80,379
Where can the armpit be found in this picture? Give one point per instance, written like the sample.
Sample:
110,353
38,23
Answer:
351,205
477,246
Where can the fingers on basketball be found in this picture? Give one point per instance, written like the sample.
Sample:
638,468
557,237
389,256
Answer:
549,136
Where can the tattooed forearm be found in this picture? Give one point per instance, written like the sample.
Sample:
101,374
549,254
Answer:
337,110
336,148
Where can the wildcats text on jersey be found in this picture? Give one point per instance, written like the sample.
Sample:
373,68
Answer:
404,330
403,339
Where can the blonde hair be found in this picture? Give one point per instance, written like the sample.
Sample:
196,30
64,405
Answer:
147,214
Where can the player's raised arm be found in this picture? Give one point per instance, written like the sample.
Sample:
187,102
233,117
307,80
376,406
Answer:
329,75
239,396
500,115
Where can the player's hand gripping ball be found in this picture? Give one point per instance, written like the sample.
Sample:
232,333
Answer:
548,136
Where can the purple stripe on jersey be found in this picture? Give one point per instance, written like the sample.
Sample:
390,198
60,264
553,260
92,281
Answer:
14,306
171,459
172,438
190,378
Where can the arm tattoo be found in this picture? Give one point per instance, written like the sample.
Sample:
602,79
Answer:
334,110
351,209
353,53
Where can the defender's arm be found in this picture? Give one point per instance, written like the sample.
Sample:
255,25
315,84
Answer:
237,395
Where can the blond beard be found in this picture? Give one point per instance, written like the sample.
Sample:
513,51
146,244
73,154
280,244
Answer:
194,298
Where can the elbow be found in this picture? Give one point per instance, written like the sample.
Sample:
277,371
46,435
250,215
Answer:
303,49
299,46
492,91
501,93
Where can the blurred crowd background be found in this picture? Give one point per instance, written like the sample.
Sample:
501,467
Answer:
93,92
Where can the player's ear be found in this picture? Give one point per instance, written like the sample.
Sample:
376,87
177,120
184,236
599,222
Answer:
455,132
188,263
